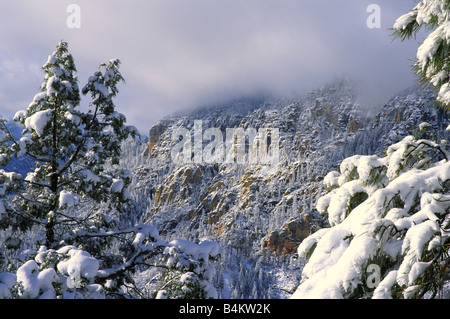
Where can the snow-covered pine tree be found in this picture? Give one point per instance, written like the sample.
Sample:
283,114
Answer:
70,149
390,226
432,60
84,253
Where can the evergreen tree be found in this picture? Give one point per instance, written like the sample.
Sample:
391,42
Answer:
71,150
433,59
390,222
85,252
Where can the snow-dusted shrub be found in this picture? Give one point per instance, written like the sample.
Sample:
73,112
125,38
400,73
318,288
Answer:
194,269
390,226
64,273
72,273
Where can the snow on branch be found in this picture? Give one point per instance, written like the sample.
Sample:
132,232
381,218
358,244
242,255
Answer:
398,222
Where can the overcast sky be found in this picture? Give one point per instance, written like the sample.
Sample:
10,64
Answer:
178,54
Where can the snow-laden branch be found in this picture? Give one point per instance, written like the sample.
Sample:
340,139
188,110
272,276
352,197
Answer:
400,225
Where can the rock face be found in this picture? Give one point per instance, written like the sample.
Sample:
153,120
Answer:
155,133
286,240
253,206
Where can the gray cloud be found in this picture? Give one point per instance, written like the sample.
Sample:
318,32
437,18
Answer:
178,54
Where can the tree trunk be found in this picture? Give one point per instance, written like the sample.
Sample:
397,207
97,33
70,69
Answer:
50,231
